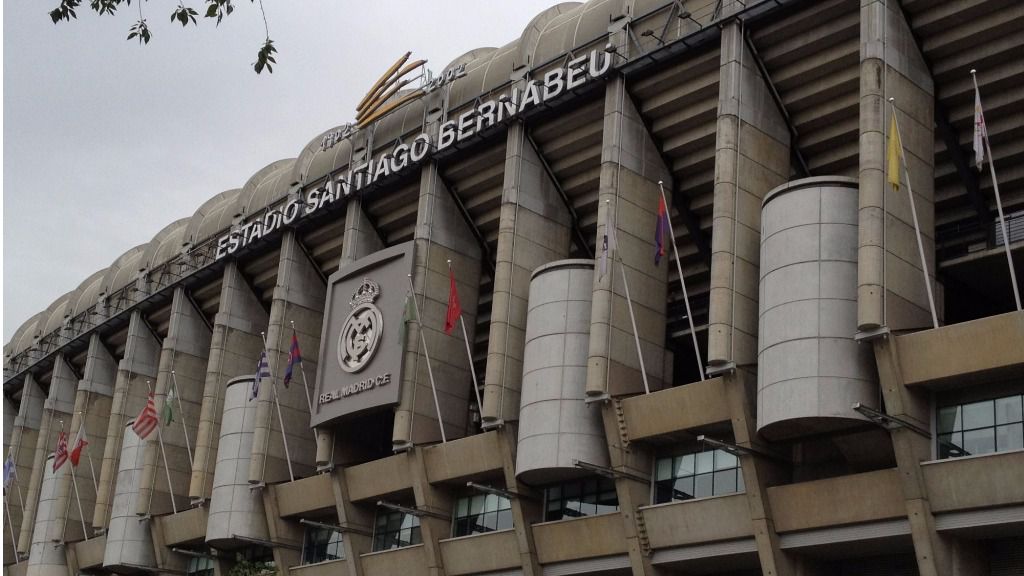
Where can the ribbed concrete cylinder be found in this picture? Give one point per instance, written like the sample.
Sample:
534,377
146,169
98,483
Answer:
129,540
810,369
556,426
44,558
235,510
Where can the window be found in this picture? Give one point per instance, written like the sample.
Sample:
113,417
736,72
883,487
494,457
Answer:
709,473
481,513
981,427
586,497
200,566
321,545
395,529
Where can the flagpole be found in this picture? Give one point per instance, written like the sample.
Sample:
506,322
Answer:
682,281
469,354
67,507
430,371
305,384
999,202
181,416
78,499
632,317
280,419
913,212
10,523
163,454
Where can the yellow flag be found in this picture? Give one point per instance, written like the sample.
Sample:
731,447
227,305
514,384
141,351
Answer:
895,148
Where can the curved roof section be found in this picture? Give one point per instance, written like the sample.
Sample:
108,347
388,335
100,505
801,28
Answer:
270,183
398,122
208,218
164,245
26,334
314,163
528,40
88,292
123,271
56,312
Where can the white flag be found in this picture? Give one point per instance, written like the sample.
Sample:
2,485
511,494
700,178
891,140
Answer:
980,132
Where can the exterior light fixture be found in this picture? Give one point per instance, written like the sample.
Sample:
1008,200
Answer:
888,422
335,527
738,451
412,511
608,472
496,491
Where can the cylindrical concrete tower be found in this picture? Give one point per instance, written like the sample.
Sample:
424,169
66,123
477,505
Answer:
44,558
556,426
810,369
235,509
129,540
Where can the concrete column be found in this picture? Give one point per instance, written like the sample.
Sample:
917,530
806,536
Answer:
45,558
284,532
751,158
533,230
360,240
440,235
630,170
932,549
299,297
57,409
182,362
235,347
891,66
758,473
349,514
433,529
24,438
139,365
525,511
636,460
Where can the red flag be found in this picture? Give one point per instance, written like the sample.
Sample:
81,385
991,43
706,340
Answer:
80,442
660,229
146,421
60,455
454,308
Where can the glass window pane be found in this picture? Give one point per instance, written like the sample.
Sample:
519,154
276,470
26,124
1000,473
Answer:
703,485
705,462
979,415
571,490
740,487
663,491
949,419
980,441
663,469
683,489
504,519
725,482
951,445
725,460
684,465
1008,410
1009,437
491,503
476,504
462,507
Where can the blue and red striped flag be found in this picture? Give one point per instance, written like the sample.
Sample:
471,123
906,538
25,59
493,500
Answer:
294,357
660,230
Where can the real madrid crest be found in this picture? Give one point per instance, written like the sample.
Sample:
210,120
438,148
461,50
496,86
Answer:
362,330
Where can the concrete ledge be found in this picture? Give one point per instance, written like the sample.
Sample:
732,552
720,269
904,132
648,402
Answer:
463,458
406,561
378,478
88,552
698,521
674,410
329,568
19,569
480,553
982,349
975,481
181,528
587,537
866,497
307,495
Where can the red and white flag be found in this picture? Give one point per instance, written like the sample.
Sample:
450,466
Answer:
147,420
979,131
60,455
454,308
80,442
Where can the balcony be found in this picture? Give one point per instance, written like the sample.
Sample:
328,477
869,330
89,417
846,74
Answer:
868,497
185,527
586,537
480,553
407,561
378,478
670,413
464,458
328,568
975,482
306,496
698,521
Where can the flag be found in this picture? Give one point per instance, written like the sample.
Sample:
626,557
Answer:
980,131
660,230
408,315
146,421
9,470
80,442
262,371
60,455
167,412
294,357
454,308
895,148
607,243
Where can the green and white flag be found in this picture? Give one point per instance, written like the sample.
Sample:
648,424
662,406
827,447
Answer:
167,414
408,315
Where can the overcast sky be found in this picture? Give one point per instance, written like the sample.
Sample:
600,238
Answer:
106,142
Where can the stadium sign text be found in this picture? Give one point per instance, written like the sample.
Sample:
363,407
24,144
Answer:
340,186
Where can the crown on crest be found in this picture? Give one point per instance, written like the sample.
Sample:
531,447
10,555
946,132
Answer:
366,293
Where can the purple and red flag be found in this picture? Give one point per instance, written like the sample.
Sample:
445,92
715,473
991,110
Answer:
660,230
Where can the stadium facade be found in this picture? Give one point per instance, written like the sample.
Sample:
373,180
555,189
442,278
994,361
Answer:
563,423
